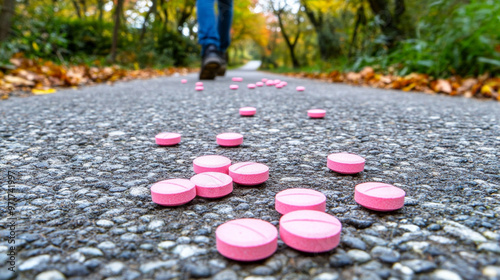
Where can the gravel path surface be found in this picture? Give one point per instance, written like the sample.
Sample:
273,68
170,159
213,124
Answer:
85,160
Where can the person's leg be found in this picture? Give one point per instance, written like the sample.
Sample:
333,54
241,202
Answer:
207,24
224,23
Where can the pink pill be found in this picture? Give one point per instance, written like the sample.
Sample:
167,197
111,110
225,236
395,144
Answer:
237,79
198,84
173,192
247,111
233,86
278,85
277,81
264,80
184,81
259,84
299,199
198,88
300,88
284,83
379,196
251,86
211,163
168,138
316,113
229,139
249,173
270,83
346,163
246,239
310,231
212,184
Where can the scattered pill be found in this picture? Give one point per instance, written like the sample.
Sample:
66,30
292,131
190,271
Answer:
264,80
379,196
270,83
299,199
229,139
247,111
346,163
251,86
300,88
198,84
168,138
233,86
259,84
212,184
249,173
284,83
246,239
198,88
211,163
277,81
316,113
173,192
278,86
237,79
310,231
184,81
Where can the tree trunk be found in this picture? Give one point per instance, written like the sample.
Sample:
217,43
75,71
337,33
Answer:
290,45
5,18
116,29
146,19
77,9
360,19
389,25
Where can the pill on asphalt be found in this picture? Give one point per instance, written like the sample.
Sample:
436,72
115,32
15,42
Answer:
284,83
173,192
316,113
249,173
299,199
184,81
300,88
237,79
259,84
229,139
270,83
212,184
278,85
233,86
310,231
211,163
247,111
264,80
379,196
198,88
167,138
246,239
346,163
277,81
198,84
251,86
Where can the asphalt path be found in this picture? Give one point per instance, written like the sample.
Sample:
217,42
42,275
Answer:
81,163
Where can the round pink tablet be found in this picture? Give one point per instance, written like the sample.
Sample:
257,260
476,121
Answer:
237,79
264,80
299,199
316,113
300,88
278,85
310,231
249,173
346,163
251,86
270,83
212,184
198,88
173,192
230,139
233,86
284,83
198,84
167,138
246,239
277,81
259,84
247,111
184,81
379,196
211,163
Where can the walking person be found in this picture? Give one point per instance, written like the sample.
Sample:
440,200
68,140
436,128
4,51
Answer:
214,36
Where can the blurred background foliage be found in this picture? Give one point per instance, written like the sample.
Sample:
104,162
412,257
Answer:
439,38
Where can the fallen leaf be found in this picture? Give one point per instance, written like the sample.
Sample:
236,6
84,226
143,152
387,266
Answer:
42,91
443,86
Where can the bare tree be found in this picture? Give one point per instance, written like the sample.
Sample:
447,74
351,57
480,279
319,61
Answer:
280,12
5,18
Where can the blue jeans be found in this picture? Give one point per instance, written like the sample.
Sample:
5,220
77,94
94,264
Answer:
214,30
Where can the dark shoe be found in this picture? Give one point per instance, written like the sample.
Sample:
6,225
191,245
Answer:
210,63
223,67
